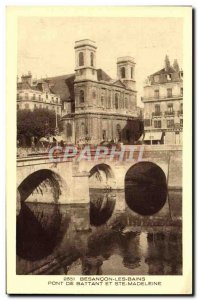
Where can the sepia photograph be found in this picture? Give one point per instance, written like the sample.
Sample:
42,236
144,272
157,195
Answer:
99,148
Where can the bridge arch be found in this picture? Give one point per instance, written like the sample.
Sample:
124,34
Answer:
145,188
101,176
41,181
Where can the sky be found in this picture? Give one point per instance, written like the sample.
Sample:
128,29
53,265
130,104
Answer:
46,45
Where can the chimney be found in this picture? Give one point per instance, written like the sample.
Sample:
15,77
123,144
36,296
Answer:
167,63
176,65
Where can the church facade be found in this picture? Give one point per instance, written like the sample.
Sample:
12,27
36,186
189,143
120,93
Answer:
97,108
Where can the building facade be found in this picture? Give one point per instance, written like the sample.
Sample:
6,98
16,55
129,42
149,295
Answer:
96,107
163,105
36,94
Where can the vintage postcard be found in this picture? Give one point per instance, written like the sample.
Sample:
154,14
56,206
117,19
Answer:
99,150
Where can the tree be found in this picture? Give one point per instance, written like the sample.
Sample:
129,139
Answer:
37,123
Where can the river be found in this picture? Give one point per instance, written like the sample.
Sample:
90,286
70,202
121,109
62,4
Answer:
103,237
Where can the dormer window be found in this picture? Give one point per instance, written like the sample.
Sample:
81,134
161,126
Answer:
169,76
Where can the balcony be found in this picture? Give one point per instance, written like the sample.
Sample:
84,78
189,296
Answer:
157,114
169,113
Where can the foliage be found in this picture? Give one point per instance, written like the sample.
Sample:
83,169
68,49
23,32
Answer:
37,123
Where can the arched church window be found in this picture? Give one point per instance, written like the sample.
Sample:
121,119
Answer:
122,70
116,101
82,96
69,130
92,59
81,59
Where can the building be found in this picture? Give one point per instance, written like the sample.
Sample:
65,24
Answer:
97,108
32,94
163,105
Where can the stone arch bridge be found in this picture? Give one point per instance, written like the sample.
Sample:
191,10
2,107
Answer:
41,180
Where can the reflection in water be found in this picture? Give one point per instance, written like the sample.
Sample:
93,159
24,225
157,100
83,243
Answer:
145,188
38,231
164,255
53,239
102,204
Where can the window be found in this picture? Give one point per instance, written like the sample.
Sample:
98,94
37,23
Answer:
94,94
181,123
109,102
26,106
147,122
169,93
169,76
181,108
116,101
52,99
122,71
131,72
118,132
18,97
102,100
68,130
39,97
82,97
156,94
46,96
104,133
157,108
92,59
181,91
170,108
157,124
170,123
81,59
83,129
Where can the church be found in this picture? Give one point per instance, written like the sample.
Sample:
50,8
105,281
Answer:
97,108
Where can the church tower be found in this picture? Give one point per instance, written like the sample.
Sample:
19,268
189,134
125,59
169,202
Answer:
126,71
85,60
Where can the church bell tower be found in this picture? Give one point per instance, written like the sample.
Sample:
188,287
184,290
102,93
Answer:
126,71
85,60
